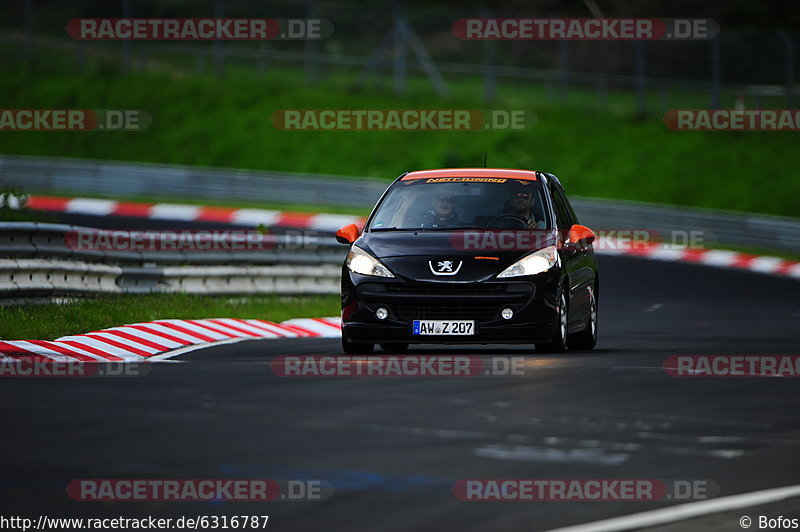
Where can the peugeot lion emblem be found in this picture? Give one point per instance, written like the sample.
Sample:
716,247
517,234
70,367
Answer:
444,267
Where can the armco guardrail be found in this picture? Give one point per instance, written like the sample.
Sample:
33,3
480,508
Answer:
89,177
35,260
41,276
47,240
120,179
37,277
715,227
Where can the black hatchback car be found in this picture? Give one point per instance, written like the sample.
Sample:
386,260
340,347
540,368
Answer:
466,256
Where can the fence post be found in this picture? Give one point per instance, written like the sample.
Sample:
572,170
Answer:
602,92
663,96
125,47
716,73
28,31
641,81
375,59
261,62
562,60
550,90
219,52
199,61
788,43
311,48
80,56
424,59
401,36
399,44
489,79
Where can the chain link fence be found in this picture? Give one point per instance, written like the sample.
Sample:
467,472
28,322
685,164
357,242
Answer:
385,44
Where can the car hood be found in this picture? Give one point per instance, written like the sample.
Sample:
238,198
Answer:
476,255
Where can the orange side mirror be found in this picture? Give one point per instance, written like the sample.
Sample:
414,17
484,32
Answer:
347,234
581,235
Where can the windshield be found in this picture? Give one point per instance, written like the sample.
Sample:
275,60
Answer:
497,204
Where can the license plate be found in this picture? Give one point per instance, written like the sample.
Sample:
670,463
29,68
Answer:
444,327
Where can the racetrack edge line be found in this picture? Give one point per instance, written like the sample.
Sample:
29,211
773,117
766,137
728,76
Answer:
189,348
686,511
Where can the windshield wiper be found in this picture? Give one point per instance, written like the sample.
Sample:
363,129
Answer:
453,228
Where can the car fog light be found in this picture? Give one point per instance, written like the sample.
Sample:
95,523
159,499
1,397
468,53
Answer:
507,313
382,313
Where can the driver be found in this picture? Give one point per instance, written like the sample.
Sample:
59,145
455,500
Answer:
443,212
521,203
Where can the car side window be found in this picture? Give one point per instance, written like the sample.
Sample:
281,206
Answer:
562,215
573,218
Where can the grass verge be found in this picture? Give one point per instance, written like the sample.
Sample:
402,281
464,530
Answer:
598,151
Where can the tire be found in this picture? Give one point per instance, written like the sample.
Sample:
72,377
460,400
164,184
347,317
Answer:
559,343
394,347
587,338
351,348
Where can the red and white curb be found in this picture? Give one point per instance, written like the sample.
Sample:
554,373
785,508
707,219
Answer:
194,213
160,339
332,222
708,257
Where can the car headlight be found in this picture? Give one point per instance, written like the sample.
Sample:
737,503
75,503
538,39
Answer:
537,262
359,261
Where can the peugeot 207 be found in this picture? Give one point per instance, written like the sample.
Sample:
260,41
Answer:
470,256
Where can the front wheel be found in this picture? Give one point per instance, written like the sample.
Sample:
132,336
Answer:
587,338
559,342
351,348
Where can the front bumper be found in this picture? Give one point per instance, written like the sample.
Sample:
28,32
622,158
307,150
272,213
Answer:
533,300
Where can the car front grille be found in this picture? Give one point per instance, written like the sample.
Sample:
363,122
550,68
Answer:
450,289
446,301
446,312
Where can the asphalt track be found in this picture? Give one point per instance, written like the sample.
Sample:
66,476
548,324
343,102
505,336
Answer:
392,448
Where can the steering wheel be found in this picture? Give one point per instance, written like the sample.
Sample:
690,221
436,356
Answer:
510,215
